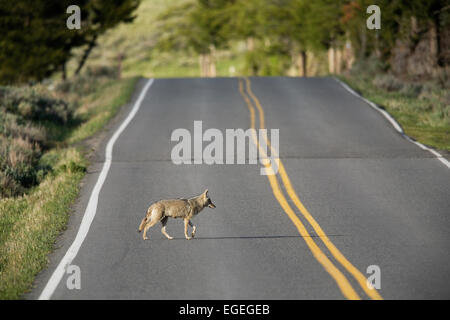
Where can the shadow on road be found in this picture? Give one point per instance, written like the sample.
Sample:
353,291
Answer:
257,237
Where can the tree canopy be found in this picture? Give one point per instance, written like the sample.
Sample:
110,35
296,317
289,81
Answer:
36,42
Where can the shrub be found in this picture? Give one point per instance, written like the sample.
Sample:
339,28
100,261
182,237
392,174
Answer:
18,164
102,71
86,83
35,103
35,118
387,82
78,85
368,68
15,127
411,89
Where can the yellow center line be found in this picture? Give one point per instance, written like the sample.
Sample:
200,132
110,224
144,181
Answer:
342,282
371,292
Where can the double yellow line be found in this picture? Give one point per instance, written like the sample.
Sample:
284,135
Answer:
342,282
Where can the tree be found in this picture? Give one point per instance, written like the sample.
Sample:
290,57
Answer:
102,15
35,41
287,21
195,26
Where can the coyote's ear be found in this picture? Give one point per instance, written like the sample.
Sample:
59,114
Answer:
206,192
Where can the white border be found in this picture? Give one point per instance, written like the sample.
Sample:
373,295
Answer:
91,208
395,124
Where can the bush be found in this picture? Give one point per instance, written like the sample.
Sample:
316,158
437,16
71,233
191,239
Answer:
35,103
23,137
102,71
86,83
33,119
78,85
387,82
368,68
15,127
18,165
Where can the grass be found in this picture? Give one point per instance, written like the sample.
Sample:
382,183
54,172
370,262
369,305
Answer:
134,40
29,224
97,109
422,109
175,65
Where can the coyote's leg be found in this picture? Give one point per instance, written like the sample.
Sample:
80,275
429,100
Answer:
186,221
150,224
163,229
193,229
142,225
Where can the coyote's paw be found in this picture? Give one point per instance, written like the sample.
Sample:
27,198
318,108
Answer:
188,238
145,238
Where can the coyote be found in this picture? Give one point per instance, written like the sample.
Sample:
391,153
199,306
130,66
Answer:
175,208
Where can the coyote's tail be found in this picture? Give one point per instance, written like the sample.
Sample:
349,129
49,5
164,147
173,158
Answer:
141,226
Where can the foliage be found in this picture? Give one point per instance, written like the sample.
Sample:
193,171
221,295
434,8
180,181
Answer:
36,42
35,119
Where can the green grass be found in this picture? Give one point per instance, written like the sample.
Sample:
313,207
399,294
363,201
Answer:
176,66
29,224
97,109
420,108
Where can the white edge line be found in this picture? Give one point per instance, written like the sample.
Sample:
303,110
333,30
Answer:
394,123
91,208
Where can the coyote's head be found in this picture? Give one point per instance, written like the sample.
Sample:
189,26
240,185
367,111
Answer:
206,200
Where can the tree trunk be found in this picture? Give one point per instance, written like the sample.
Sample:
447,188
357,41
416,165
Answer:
304,63
338,61
86,54
205,65
201,59
331,60
349,57
250,44
301,63
212,62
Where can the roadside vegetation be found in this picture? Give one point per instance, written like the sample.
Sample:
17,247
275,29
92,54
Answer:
422,108
48,110
42,161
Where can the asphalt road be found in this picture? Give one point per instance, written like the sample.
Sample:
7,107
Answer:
380,200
